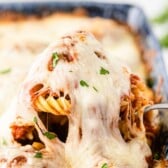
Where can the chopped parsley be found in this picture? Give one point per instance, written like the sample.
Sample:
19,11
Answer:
164,41
150,82
38,155
49,135
4,142
5,71
162,18
83,83
95,89
104,71
55,59
35,119
104,165
156,156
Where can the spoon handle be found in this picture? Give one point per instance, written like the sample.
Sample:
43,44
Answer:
156,106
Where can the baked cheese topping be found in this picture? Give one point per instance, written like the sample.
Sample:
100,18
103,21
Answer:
21,41
75,78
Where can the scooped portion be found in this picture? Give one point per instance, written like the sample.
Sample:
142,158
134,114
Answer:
77,108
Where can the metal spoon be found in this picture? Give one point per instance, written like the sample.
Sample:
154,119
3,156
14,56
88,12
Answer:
156,106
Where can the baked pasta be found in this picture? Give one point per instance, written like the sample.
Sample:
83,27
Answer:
23,37
78,108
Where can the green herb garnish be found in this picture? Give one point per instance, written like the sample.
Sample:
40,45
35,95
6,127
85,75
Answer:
95,89
35,119
4,142
55,59
104,165
156,156
164,41
49,135
5,71
38,155
162,18
150,82
104,71
83,83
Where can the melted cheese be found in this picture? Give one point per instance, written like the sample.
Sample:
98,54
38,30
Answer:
21,41
95,113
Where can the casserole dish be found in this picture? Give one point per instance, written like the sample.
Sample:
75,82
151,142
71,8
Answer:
126,15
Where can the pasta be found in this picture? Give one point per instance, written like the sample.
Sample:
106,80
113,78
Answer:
59,106
132,106
77,108
17,56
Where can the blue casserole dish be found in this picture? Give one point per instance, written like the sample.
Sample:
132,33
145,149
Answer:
125,13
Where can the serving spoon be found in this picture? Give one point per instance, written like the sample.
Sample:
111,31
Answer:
156,106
